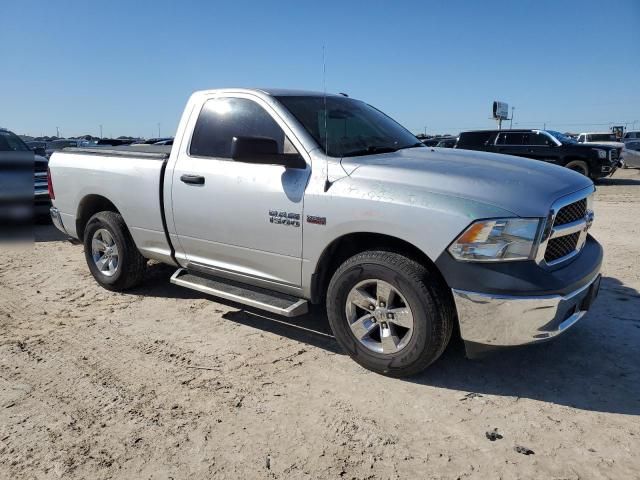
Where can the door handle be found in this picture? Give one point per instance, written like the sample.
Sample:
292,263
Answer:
192,179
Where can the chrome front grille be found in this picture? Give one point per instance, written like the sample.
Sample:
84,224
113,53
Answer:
561,247
571,213
566,228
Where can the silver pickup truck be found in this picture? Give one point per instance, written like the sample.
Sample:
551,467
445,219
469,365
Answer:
276,199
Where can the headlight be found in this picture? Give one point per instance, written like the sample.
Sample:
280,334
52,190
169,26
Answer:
500,239
602,154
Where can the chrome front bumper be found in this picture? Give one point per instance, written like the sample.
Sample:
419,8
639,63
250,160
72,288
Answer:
502,321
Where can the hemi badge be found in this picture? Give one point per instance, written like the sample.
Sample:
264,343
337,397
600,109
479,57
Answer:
316,220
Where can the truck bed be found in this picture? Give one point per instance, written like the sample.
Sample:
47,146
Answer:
131,178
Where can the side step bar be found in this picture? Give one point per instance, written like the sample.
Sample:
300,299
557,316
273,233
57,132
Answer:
261,298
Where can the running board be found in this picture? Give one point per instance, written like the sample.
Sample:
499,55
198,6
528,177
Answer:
268,300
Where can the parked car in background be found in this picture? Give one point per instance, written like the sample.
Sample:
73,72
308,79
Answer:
631,136
447,142
39,147
434,141
264,203
59,145
153,141
594,161
27,179
633,145
632,154
113,142
165,142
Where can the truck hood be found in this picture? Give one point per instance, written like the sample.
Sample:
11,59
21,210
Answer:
526,188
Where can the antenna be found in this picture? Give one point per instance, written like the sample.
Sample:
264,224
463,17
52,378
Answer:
327,183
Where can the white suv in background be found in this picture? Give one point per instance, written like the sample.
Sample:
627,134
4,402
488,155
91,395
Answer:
600,138
603,138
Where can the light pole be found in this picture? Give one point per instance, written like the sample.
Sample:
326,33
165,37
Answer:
158,129
511,123
58,132
100,130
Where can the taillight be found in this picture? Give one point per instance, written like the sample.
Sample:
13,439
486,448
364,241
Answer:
52,195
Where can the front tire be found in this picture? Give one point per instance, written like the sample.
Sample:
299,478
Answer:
389,313
111,254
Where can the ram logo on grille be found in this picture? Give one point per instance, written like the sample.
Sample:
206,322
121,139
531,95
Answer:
589,218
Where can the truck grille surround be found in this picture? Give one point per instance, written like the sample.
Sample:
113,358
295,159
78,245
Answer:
40,185
614,154
566,231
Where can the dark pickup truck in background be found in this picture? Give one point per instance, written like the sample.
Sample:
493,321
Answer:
593,161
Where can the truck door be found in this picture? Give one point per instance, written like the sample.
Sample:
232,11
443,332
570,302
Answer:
239,219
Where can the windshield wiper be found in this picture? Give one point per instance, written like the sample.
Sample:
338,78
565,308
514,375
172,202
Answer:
372,150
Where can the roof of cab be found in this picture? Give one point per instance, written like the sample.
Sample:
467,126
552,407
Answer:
274,92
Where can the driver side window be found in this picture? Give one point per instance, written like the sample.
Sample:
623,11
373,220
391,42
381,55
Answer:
221,119
540,140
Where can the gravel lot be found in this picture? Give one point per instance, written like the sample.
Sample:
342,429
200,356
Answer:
167,383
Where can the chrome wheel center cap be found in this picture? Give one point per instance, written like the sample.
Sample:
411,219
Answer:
379,316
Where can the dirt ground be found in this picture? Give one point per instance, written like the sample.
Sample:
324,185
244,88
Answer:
163,383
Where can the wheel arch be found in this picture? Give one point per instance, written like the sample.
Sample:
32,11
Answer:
577,158
89,206
348,245
587,162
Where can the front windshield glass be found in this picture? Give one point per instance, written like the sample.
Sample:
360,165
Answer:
603,137
10,142
350,127
561,136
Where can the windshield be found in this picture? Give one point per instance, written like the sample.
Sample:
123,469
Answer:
10,142
561,137
350,127
602,137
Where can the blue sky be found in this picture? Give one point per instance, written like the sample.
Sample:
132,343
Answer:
131,65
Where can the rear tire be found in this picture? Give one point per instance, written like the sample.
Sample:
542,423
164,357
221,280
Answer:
111,254
361,322
579,166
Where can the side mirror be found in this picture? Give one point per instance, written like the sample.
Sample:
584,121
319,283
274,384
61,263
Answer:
262,150
39,151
